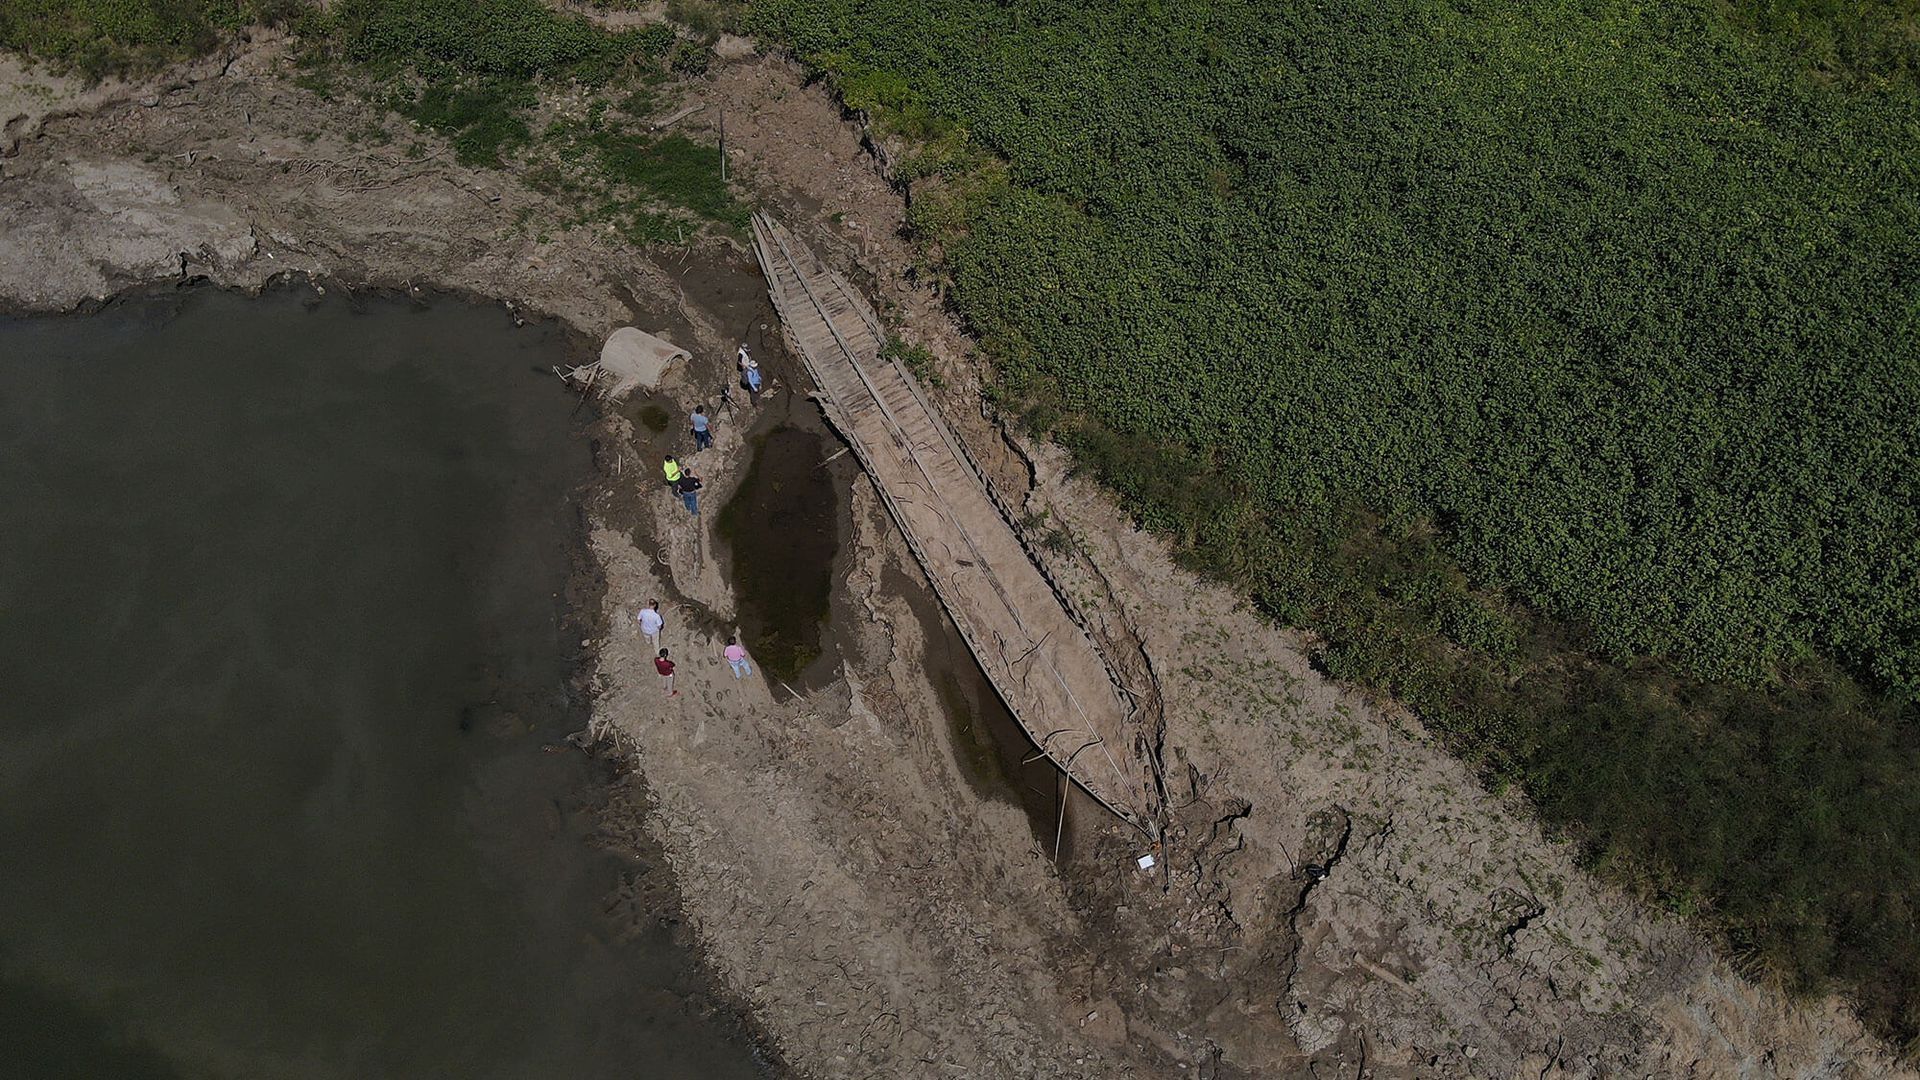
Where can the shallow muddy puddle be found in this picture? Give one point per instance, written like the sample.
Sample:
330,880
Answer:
993,750
285,651
782,534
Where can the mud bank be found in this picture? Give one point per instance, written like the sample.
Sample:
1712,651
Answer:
228,171
1341,897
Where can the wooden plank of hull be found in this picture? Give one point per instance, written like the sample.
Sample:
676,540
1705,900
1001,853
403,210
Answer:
1025,632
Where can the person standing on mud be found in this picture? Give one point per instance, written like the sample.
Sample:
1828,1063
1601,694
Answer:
737,659
651,622
749,375
672,469
665,667
702,437
689,488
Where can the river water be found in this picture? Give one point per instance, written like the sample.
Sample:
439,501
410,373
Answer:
282,650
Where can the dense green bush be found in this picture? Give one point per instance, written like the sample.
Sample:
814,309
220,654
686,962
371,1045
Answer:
1647,343
499,39
1391,311
1851,41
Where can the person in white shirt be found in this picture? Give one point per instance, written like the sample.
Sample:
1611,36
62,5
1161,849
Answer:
750,377
651,622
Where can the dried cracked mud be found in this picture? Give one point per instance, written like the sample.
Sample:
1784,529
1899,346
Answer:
1338,897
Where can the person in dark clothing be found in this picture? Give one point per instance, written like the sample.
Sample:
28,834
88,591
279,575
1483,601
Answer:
665,667
689,489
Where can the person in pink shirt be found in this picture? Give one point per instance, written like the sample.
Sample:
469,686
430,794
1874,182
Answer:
737,659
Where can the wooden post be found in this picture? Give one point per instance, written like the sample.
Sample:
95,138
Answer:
723,146
1060,790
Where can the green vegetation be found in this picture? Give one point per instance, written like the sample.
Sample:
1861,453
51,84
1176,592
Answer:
105,37
649,188
679,169
483,118
1850,41
496,39
1558,363
706,18
655,417
473,70
469,68
915,358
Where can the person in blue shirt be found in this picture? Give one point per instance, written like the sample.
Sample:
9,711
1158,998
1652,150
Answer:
702,437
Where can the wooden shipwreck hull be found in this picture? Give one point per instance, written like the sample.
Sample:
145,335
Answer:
1024,632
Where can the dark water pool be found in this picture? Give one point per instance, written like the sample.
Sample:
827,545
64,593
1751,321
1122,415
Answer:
782,532
281,642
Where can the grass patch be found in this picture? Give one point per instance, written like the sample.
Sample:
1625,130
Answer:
707,18
96,38
520,40
671,168
654,418
915,358
473,71
470,69
485,120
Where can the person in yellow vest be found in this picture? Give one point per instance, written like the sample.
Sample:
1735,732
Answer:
672,469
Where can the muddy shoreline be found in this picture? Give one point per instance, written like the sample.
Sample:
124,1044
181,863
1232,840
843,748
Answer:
1339,893
650,894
